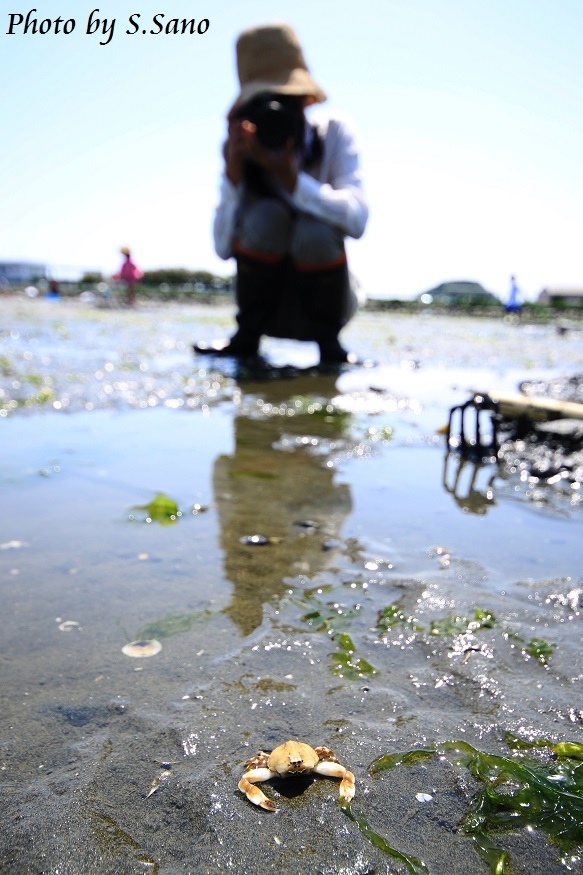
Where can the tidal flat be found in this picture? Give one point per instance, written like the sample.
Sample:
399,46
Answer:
315,566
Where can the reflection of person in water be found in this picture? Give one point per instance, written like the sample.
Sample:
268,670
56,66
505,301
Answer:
264,489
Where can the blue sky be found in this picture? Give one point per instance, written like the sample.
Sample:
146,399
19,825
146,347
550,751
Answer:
470,120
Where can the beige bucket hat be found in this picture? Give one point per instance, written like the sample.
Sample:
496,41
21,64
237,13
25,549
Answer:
270,58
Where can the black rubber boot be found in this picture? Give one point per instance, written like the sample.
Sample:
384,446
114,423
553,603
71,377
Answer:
333,353
258,288
329,303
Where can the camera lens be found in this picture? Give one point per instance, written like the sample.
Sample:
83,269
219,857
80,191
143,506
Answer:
276,124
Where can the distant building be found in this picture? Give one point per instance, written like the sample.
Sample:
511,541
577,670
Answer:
19,272
557,297
459,293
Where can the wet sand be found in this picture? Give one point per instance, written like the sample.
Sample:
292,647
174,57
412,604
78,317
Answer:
111,764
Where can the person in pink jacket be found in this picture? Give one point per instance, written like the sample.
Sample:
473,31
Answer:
130,274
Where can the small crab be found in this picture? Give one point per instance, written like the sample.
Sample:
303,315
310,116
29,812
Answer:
292,758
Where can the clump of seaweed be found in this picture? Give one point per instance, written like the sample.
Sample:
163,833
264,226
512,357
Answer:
346,664
392,615
161,509
333,618
544,793
337,619
330,617
173,624
457,626
413,864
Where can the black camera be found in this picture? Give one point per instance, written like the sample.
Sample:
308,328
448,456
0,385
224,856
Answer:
277,120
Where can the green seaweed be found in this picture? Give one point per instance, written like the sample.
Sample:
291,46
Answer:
384,434
344,662
494,856
44,396
174,624
457,625
161,509
413,864
33,379
390,760
308,405
540,649
571,749
333,618
517,792
330,617
568,749
392,615
483,620
515,742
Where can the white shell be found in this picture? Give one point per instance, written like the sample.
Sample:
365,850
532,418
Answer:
69,625
146,647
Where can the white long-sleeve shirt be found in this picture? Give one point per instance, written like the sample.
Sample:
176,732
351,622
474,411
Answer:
331,190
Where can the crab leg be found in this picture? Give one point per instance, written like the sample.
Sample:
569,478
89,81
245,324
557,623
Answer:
253,793
333,769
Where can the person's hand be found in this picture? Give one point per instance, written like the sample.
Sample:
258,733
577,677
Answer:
243,143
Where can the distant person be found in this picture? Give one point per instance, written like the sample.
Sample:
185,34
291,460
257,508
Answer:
290,193
514,304
130,274
54,290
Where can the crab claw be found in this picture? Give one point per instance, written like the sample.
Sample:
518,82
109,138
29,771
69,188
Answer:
347,787
336,770
255,795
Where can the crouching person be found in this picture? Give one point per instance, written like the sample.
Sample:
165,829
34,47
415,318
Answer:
290,194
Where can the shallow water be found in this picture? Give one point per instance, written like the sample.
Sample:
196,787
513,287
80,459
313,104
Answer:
347,479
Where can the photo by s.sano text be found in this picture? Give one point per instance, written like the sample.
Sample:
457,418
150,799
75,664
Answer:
32,23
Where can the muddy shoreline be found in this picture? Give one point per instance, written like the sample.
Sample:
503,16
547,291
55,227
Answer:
117,765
